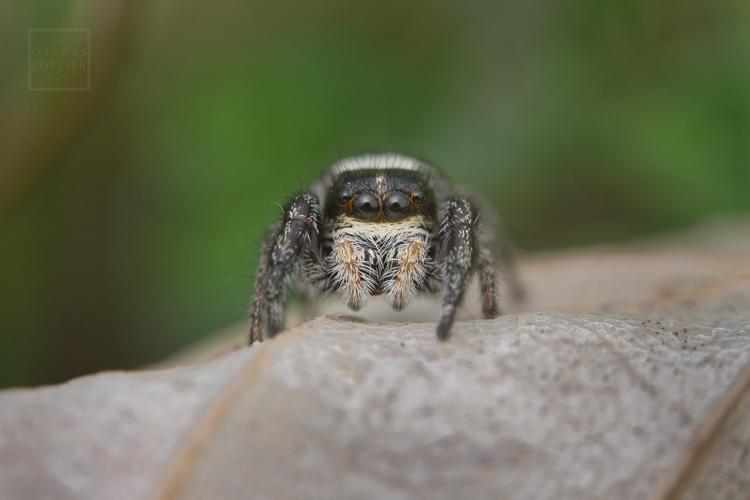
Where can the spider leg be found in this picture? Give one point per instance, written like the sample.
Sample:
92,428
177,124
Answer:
283,248
487,282
496,256
458,243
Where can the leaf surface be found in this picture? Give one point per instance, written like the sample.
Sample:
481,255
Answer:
626,377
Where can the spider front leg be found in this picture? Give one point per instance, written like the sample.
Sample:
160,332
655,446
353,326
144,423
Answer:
457,254
281,253
461,251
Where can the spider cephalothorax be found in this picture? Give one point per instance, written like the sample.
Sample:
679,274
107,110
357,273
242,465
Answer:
379,224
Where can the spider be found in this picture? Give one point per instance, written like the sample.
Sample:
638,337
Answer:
383,224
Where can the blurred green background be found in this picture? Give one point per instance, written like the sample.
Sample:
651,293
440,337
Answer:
130,213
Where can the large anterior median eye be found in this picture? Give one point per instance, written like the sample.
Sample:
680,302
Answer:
396,205
366,206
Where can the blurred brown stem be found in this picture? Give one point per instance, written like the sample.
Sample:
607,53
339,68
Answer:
35,126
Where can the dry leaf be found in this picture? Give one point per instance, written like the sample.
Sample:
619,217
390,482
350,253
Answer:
637,386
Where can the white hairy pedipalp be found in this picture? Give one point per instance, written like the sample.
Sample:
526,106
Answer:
385,257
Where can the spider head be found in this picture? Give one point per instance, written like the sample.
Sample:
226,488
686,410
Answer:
380,194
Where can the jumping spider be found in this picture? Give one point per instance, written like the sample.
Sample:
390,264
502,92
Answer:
379,224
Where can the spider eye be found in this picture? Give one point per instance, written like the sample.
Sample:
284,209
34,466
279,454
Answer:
417,197
396,204
344,197
366,206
